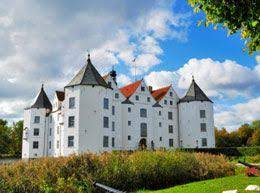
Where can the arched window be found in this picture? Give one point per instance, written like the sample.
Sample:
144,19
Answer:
143,130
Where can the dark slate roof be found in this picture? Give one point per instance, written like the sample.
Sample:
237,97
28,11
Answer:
42,101
88,75
194,93
127,101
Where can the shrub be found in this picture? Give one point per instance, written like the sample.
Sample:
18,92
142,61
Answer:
121,170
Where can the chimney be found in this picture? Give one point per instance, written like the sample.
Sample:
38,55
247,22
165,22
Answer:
113,75
150,88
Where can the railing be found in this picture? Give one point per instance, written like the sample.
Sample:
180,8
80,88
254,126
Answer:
105,188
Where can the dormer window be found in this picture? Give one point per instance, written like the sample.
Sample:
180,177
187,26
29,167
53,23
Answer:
142,88
171,94
137,97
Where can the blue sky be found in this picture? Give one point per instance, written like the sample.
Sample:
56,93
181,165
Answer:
46,42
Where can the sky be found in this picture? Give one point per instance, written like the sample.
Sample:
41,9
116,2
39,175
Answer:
46,41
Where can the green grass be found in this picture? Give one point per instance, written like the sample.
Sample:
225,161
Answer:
239,182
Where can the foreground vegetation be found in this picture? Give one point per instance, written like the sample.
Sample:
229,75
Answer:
121,170
239,182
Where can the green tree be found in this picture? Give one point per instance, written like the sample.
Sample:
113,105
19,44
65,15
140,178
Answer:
245,132
16,138
255,124
235,15
255,139
4,137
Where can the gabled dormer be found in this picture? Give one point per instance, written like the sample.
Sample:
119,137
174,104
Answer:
165,96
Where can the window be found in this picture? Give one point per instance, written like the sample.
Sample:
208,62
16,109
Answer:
50,131
171,94
36,131
129,123
142,88
37,119
113,142
35,145
109,84
105,103
49,144
170,129
143,130
203,127
170,115
160,124
165,102
105,122
137,97
143,113
116,95
113,110
204,142
50,119
160,113
181,143
129,109
72,102
58,144
105,141
171,103
202,114
160,138
148,99
58,130
170,142
113,125
129,137
70,141
71,121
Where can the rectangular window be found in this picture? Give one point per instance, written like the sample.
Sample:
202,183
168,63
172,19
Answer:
204,142
36,131
143,113
202,114
160,113
113,110
72,102
58,144
171,102
37,119
70,141
106,103
160,138
58,130
137,97
116,95
170,115
165,102
50,119
50,132
109,84
170,129
143,130
203,127
129,109
129,137
160,124
35,145
148,99
49,144
113,142
113,126
142,88
105,141
129,123
171,94
71,121
105,122
170,142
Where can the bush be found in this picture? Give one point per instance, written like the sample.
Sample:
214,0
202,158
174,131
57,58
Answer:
121,170
229,151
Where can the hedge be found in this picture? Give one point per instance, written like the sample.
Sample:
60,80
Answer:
121,170
229,151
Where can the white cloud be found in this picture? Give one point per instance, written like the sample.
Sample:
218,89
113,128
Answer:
238,114
161,79
123,79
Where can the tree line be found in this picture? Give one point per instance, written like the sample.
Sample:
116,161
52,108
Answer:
245,135
11,138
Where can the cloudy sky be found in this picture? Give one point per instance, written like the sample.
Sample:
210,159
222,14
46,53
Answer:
46,41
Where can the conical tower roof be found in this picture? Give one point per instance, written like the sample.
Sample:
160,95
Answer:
194,93
88,75
42,100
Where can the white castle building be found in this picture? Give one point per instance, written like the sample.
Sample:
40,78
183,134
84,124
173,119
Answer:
93,114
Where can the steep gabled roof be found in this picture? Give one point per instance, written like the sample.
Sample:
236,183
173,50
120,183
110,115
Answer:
129,89
160,93
88,75
60,95
194,93
42,101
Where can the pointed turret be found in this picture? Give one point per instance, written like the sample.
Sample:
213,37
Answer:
88,75
194,93
42,101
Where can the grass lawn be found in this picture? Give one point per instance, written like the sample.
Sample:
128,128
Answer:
239,182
